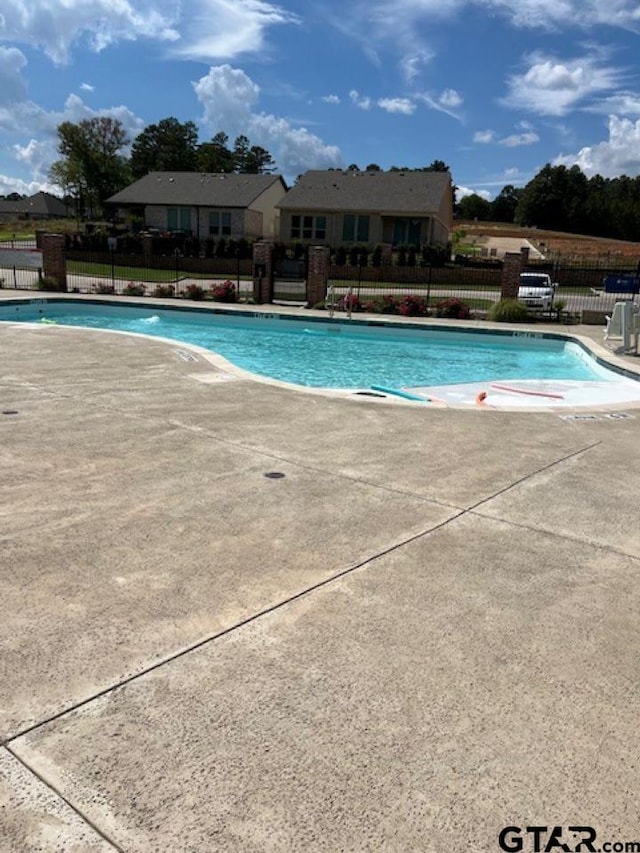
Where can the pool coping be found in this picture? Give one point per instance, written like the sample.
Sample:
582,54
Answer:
598,351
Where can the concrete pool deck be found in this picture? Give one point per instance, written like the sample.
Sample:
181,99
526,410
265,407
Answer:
426,631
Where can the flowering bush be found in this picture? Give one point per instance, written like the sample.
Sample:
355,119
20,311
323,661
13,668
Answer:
349,302
224,292
133,289
454,308
413,306
382,305
105,288
193,291
164,290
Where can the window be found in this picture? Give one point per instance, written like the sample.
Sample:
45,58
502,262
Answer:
308,227
407,231
355,228
220,223
178,219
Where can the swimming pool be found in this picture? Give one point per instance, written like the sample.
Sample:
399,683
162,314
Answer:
319,353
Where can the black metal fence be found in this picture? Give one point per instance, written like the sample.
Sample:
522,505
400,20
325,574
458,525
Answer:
413,284
470,289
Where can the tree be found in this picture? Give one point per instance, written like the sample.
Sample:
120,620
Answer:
91,168
474,207
215,156
503,207
373,167
437,166
259,161
165,147
241,154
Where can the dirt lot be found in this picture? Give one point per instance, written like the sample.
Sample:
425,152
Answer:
556,243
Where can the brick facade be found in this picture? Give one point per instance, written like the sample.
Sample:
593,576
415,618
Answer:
54,264
262,272
318,275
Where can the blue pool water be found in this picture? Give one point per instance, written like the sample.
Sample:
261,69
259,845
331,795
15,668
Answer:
334,355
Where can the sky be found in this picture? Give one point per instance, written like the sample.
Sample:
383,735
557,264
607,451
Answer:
494,88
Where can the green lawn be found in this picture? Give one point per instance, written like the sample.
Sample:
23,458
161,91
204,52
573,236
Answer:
124,273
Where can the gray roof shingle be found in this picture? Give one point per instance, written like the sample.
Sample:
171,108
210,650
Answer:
41,204
196,189
376,192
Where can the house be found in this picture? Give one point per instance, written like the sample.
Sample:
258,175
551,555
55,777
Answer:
39,206
337,207
204,204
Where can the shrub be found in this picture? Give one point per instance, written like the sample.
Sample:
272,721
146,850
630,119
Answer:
341,256
508,311
105,289
134,289
47,282
224,292
453,308
413,306
376,257
383,305
164,290
193,291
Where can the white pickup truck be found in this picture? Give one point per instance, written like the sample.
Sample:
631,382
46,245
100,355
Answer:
536,291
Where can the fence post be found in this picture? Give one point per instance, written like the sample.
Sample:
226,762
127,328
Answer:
511,275
262,272
54,263
317,275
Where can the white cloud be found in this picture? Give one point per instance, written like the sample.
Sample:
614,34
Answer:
484,137
617,155
330,99
361,101
436,104
224,29
229,98
53,26
12,86
517,139
87,87
401,18
620,104
26,119
461,192
397,105
554,87
412,64
17,185
450,99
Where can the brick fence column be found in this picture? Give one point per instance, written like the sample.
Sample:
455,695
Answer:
262,272
317,275
511,275
54,263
